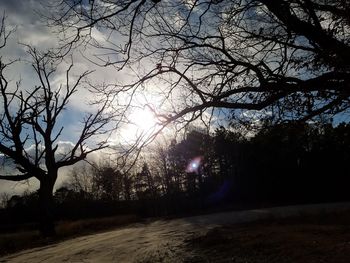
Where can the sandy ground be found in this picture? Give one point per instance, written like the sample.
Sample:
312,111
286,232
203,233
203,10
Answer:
158,241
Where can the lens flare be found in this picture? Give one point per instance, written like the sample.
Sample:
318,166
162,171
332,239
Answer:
194,165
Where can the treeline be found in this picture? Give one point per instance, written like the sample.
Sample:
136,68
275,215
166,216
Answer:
284,164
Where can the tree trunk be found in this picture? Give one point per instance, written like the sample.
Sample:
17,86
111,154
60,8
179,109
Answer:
47,227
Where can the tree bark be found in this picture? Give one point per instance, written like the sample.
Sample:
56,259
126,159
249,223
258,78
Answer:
47,226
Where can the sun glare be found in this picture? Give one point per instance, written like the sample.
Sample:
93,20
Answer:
144,119
141,123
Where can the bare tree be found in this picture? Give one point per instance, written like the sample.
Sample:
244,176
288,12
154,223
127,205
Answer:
30,129
282,60
161,166
81,180
4,199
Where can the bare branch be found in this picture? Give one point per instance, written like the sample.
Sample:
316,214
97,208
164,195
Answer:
16,178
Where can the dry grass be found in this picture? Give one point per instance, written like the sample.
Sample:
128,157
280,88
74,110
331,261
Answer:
311,239
86,226
13,242
324,238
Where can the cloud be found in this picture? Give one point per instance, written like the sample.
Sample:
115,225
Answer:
32,29
64,147
30,25
7,167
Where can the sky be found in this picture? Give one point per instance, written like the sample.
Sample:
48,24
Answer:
30,29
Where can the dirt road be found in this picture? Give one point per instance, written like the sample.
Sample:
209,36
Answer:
158,241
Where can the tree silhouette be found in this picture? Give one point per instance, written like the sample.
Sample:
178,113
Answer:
145,185
286,60
81,180
108,181
30,129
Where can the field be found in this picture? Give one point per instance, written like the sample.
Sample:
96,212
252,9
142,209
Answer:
318,233
323,238
27,237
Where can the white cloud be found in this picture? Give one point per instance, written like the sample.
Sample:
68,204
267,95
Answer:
64,147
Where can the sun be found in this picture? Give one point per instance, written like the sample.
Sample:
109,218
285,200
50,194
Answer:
143,119
141,122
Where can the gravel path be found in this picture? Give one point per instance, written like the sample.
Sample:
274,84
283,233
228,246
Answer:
158,241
